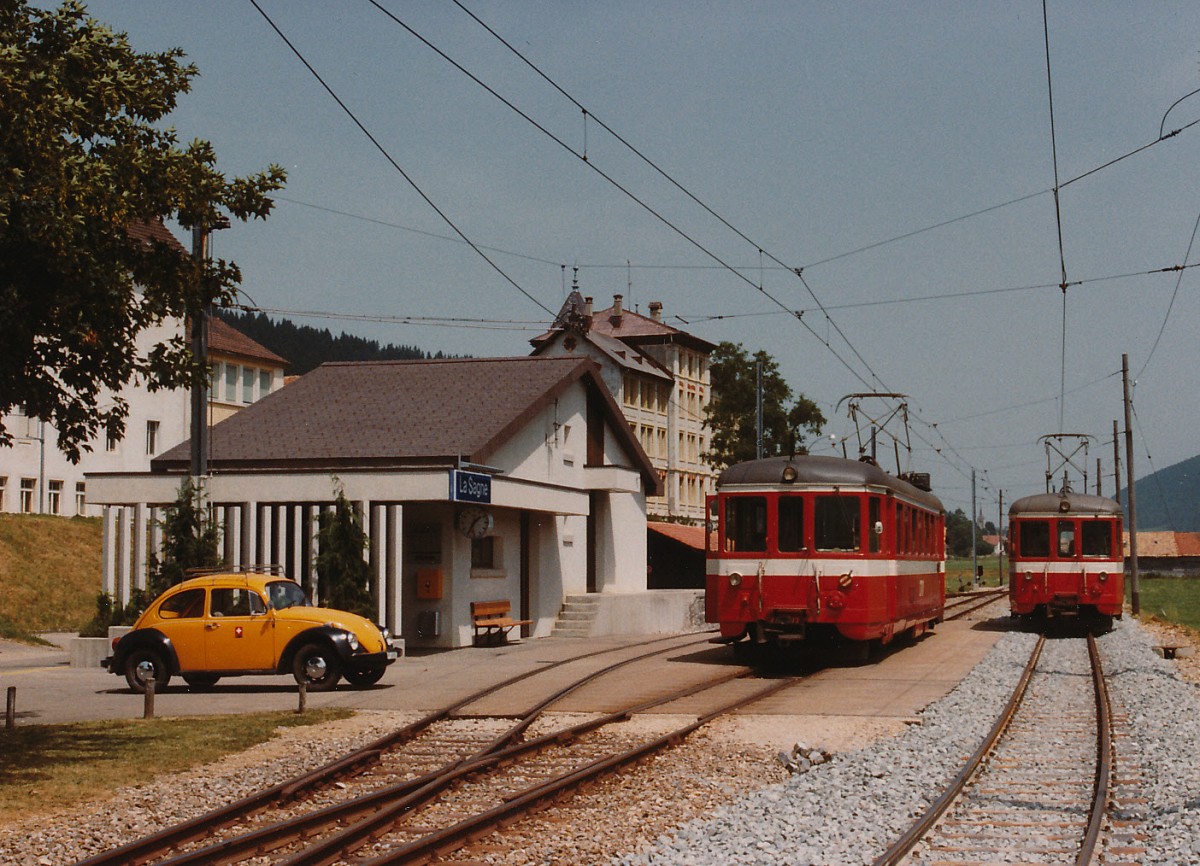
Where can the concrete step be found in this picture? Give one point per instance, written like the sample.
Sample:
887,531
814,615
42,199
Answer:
577,616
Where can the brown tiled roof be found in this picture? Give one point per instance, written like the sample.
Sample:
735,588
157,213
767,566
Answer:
391,413
225,339
154,231
692,536
634,328
1188,543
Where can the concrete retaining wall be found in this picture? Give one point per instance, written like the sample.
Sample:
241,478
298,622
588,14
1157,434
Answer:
656,611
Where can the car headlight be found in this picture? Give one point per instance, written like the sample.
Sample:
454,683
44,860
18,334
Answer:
352,640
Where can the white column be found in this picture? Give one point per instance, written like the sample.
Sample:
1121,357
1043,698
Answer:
228,535
156,533
249,511
107,540
376,538
394,562
139,545
262,535
123,556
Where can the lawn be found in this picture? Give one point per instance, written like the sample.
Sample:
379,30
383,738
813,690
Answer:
44,768
49,573
1175,599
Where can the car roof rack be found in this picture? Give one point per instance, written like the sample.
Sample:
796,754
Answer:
236,569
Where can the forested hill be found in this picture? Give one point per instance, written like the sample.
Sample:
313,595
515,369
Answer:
306,347
1169,499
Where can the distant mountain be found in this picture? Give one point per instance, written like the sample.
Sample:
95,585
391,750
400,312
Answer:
306,347
1169,499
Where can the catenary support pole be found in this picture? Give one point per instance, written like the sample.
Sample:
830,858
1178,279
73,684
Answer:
1135,595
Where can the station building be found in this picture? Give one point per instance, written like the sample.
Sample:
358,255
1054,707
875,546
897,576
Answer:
514,479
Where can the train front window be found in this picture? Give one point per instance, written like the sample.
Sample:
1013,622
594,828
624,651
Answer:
1096,538
746,524
873,522
791,524
1033,539
836,523
1066,539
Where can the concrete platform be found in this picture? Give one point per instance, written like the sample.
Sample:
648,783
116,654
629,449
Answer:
895,687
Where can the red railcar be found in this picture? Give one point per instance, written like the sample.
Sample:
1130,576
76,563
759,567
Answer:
813,547
1066,556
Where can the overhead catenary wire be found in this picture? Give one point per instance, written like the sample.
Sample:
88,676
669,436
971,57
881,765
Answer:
391,160
1171,305
1057,218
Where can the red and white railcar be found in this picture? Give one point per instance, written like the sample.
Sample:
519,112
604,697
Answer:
813,547
1066,556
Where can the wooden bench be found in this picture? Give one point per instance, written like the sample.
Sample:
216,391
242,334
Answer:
492,622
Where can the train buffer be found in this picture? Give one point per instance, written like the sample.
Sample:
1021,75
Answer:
492,622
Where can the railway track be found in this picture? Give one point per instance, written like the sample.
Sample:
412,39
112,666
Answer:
961,604
1037,788
381,801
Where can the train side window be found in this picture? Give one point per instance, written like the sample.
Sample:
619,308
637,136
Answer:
1096,538
1066,538
791,524
836,523
1033,539
875,538
746,524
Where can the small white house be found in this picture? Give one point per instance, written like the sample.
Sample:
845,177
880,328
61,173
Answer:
513,479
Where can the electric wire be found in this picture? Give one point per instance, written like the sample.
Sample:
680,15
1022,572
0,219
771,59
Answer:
1171,305
1162,496
386,155
384,319
1057,218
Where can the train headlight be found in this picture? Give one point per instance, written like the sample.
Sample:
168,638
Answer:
735,579
1103,576
1029,575
789,474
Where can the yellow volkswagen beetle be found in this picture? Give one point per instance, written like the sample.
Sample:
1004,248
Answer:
237,623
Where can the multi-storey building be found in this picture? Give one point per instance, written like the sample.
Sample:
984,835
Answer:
36,478
659,376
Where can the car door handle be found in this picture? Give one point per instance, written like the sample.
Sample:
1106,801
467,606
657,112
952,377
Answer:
210,626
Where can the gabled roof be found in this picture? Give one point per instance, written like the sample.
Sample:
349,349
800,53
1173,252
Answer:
396,413
692,536
154,230
621,354
225,339
636,329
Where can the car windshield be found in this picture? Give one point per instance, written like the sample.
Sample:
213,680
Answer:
284,594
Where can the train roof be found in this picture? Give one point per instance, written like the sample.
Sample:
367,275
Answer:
814,469
1077,503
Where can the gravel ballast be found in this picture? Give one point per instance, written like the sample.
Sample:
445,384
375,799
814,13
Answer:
849,809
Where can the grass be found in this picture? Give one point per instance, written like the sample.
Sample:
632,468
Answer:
1172,599
44,768
49,573
958,573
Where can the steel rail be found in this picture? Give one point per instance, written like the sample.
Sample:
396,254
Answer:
1104,758
410,793
963,608
154,845
902,846
532,799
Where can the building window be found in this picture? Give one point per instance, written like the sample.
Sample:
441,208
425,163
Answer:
151,437
54,497
264,383
247,385
483,552
80,497
3,484
231,382
27,487
110,442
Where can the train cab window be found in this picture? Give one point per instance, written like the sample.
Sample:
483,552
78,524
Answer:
791,524
746,524
1096,538
836,523
873,523
1033,539
1066,538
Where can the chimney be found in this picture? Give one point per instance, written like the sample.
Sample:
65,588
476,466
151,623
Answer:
656,310
587,307
617,311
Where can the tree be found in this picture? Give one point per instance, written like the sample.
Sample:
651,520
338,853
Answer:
343,576
731,413
958,536
82,162
190,540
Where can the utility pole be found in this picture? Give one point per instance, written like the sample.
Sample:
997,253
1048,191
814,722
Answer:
1116,463
1135,596
758,410
1000,529
199,344
1098,477
974,560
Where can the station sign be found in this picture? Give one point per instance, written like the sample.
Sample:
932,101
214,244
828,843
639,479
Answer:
470,487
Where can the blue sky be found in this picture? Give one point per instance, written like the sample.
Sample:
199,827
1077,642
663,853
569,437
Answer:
817,130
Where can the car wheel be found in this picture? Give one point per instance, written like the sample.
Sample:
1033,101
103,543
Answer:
143,665
199,682
364,678
317,666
